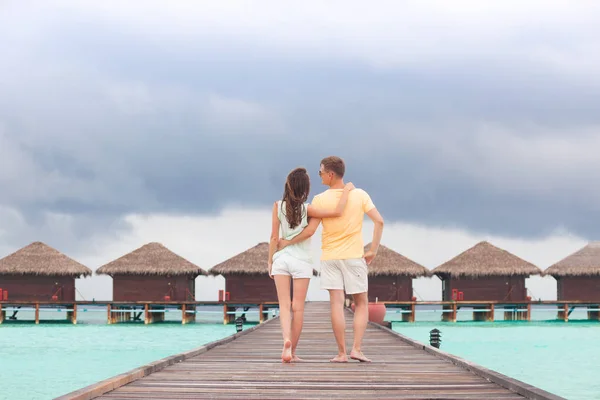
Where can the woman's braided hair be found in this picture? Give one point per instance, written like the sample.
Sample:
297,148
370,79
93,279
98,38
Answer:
295,194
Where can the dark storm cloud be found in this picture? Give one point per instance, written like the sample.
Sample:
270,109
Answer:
97,122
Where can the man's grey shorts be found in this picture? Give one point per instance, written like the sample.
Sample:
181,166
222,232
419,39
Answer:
349,275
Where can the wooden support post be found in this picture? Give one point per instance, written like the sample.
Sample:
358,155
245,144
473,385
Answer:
563,312
478,314
592,315
522,314
529,312
510,314
2,314
490,314
261,315
450,316
413,312
228,318
183,315
405,317
446,314
408,317
37,313
266,314
147,314
72,315
108,314
189,317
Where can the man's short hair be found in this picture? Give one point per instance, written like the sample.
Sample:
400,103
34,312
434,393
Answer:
334,164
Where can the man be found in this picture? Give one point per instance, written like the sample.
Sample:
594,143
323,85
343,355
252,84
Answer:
343,260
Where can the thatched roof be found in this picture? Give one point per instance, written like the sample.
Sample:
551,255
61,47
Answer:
151,259
584,262
484,260
390,263
251,262
40,259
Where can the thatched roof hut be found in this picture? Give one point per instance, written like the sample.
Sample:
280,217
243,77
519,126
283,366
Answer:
253,261
584,262
486,260
390,263
39,259
151,259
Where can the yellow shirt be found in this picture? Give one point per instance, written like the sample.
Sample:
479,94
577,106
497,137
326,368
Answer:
342,236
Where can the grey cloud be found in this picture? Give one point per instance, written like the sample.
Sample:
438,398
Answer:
107,123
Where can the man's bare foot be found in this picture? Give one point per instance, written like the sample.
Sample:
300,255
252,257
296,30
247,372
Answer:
339,359
295,358
358,355
286,354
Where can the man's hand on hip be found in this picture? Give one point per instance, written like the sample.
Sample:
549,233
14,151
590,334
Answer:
369,256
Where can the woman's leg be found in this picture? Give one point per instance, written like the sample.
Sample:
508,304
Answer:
300,289
282,283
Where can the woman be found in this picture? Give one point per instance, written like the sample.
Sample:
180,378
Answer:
294,262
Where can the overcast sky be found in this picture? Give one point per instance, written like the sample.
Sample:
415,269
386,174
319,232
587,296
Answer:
123,123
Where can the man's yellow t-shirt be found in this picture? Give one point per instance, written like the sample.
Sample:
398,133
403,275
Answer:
342,236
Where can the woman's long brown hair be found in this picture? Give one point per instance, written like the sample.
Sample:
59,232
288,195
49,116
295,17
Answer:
295,194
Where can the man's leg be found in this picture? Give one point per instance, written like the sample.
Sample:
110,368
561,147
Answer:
338,323
361,318
356,281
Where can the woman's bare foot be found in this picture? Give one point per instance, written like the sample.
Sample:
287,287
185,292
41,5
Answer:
286,354
358,355
295,358
340,358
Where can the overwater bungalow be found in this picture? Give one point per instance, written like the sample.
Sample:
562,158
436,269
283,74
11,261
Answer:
391,276
39,273
485,273
152,273
578,275
247,276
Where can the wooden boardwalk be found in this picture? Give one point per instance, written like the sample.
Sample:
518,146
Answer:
249,367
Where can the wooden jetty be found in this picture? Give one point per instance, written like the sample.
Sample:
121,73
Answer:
247,366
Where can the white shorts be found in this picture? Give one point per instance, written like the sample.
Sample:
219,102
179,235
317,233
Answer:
349,275
290,266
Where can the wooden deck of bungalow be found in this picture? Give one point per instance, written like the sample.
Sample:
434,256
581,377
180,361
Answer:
154,311
247,366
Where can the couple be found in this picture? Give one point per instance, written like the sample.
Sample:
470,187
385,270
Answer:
341,208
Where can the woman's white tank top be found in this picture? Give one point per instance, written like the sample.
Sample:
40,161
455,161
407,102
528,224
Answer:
302,250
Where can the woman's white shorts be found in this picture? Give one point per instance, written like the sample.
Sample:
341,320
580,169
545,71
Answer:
290,266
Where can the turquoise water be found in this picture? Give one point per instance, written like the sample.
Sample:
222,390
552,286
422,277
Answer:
51,359
562,358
